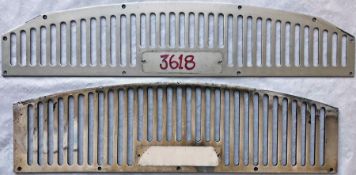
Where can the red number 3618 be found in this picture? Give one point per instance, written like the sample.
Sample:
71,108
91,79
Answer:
170,61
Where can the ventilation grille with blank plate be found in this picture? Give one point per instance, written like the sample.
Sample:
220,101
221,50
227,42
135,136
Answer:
154,127
177,39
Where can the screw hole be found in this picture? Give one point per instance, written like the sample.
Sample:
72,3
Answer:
238,72
5,72
178,168
350,73
138,155
309,122
99,168
239,7
123,72
44,16
19,168
255,169
4,38
123,6
314,19
331,169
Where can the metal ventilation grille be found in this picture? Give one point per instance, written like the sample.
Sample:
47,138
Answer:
116,40
104,129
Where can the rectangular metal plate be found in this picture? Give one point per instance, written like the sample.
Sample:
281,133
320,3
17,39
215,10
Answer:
107,129
182,62
110,41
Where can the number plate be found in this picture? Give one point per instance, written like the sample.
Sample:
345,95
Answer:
182,62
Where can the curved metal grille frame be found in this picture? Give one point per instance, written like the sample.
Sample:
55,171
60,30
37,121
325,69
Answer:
239,59
41,137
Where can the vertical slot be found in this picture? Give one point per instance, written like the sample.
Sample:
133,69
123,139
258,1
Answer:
191,28
182,31
63,44
130,127
123,40
140,117
23,41
325,48
217,115
210,30
90,128
33,42
249,42
297,45
294,126
306,46
265,109
13,45
316,47
303,134
60,131
169,124
275,131
343,51
153,30
73,43
50,141
103,45
113,40
322,137
240,40
143,30
268,42
221,30
259,42
188,113
201,30
81,131
198,114
246,129
163,30
236,127
132,42
312,135
287,44
207,114
43,45
159,114
172,30
93,42
278,45
334,49
70,130
229,40
30,129
255,129
100,121
83,41
150,115
179,114
284,131
226,133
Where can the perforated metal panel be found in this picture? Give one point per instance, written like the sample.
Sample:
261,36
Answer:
106,129
112,41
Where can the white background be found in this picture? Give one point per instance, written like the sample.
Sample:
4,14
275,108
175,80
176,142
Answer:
338,92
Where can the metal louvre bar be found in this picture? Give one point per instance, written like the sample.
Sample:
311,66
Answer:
243,125
95,31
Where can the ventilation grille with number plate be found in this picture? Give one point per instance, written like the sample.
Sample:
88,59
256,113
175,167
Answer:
109,129
177,39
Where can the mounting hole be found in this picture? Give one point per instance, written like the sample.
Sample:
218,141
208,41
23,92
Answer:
99,168
331,169
314,19
123,6
19,168
238,72
255,169
178,168
239,7
309,121
4,38
123,72
44,16
5,72
138,155
350,73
